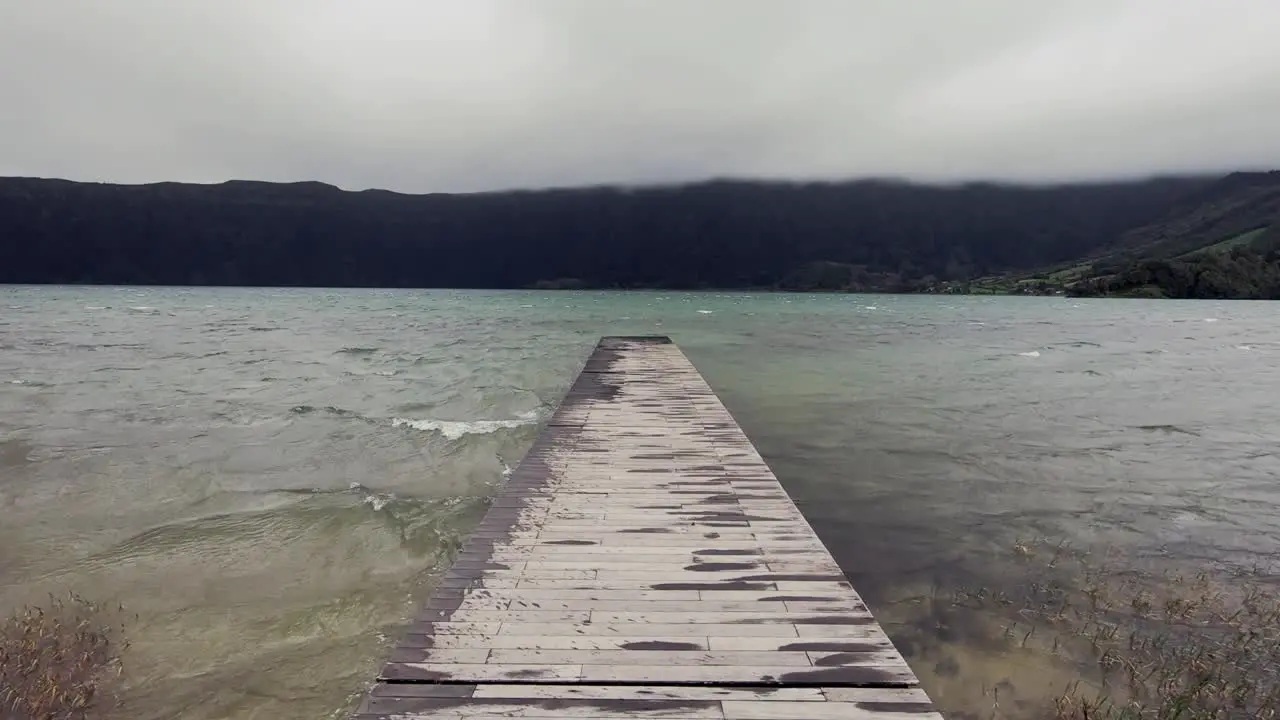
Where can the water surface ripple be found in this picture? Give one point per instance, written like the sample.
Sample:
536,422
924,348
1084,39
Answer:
269,479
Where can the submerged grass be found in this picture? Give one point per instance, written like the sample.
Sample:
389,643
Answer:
1140,646
59,662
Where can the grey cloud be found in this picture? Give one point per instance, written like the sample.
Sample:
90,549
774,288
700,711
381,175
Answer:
423,95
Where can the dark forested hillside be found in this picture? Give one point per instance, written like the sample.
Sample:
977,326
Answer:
872,234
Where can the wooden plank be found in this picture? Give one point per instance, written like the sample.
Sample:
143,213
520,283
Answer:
469,672
673,692
761,617
636,657
597,560
901,696
750,710
674,538
650,606
558,642
844,595
643,561
873,638
644,630
747,674
701,583
531,594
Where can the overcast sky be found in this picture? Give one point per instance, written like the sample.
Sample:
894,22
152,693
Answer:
426,95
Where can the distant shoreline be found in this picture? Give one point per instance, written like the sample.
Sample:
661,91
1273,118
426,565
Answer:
649,290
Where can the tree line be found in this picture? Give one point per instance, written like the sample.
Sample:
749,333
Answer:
1240,274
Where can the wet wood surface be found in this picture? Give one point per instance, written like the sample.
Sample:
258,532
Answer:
643,561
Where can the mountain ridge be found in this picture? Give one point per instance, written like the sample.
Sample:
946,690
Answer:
869,234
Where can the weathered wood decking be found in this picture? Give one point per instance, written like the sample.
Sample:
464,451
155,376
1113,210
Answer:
643,561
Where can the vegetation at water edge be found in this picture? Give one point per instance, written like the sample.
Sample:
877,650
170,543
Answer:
59,662
1138,646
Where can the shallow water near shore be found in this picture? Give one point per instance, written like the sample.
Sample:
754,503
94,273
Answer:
269,479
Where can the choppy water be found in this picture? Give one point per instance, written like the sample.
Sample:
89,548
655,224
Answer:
269,479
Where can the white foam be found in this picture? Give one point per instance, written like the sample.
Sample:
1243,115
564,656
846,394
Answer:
457,429
1243,347
1211,319
17,382
704,312
1033,353
95,307
869,307
141,308
386,373
526,306
377,502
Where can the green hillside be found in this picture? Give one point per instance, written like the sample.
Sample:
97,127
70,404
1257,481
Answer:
1220,242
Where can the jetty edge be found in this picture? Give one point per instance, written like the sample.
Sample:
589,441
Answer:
644,562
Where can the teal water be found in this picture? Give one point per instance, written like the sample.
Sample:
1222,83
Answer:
269,479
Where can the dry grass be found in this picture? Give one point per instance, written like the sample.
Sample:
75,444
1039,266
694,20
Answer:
58,662
1145,646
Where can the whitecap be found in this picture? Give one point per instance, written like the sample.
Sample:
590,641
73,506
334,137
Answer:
1243,347
869,307
377,502
95,307
17,382
526,306
141,308
1211,319
457,429
386,373
704,312
1032,354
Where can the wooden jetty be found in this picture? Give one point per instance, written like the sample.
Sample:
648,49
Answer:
644,562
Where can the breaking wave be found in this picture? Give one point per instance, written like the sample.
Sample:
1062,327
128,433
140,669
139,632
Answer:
457,429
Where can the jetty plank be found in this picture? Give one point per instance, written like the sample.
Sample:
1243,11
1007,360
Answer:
643,561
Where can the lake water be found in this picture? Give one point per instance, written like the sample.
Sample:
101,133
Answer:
269,479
